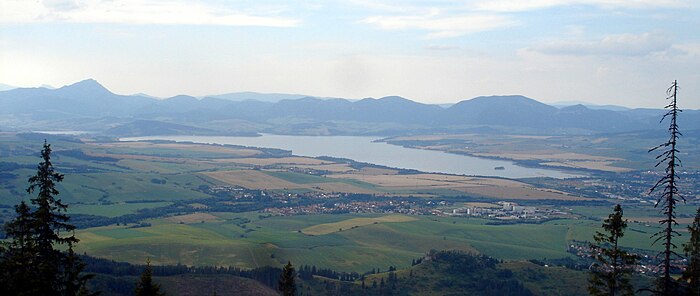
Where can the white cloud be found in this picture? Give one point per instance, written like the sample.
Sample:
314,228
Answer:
442,26
612,45
134,12
377,5
692,49
526,5
61,5
439,47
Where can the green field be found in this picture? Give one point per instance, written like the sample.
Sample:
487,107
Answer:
246,240
328,228
115,179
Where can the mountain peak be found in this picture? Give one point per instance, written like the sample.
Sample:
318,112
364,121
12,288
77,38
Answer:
576,108
87,87
505,98
394,99
182,98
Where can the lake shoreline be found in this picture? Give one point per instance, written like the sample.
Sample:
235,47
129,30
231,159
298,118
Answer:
368,150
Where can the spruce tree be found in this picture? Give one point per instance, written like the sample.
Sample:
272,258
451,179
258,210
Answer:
610,275
691,274
18,277
286,284
31,263
49,222
670,195
146,286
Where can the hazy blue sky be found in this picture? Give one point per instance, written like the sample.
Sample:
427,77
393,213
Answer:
623,52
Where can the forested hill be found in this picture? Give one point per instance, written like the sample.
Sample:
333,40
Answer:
87,105
438,273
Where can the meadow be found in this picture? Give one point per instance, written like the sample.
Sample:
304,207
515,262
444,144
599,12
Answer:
114,179
106,172
348,242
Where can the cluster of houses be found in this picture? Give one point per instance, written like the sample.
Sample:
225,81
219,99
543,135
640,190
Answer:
501,210
384,206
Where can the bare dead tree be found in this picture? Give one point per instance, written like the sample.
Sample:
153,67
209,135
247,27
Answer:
669,195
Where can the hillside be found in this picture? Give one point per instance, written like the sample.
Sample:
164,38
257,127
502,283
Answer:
151,127
457,273
438,273
89,106
183,285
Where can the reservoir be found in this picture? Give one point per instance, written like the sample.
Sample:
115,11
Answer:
364,149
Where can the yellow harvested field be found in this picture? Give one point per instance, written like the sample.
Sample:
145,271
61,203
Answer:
428,180
333,167
163,166
591,165
144,157
376,171
341,187
487,187
413,180
252,179
193,218
326,228
523,192
278,161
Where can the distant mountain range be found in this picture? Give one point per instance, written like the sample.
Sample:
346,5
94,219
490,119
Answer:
89,106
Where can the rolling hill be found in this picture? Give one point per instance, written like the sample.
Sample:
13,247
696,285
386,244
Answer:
87,105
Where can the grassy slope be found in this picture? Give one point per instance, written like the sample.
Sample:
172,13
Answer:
273,240
246,240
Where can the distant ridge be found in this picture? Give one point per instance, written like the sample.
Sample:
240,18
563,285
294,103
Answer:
563,104
140,128
87,105
263,97
145,95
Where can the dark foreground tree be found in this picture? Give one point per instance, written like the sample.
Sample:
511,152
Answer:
146,286
691,274
49,221
31,262
18,276
669,196
610,275
286,284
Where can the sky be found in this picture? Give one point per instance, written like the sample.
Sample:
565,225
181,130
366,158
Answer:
621,52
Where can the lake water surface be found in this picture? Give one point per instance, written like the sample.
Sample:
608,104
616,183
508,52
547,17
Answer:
363,149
